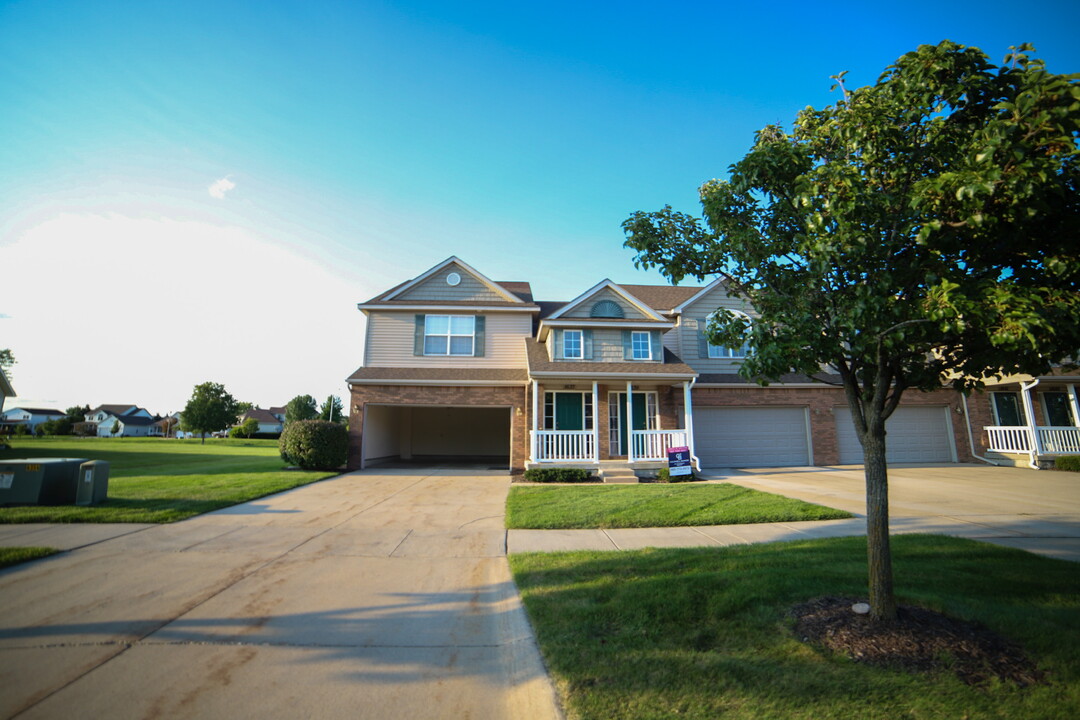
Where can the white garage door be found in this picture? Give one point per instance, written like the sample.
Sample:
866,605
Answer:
912,434
751,437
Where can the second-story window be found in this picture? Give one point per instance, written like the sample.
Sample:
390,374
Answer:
573,347
640,345
449,334
721,351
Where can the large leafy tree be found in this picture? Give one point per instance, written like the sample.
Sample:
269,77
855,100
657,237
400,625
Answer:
331,410
921,231
301,407
209,410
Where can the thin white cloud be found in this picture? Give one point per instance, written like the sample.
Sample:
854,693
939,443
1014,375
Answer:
218,188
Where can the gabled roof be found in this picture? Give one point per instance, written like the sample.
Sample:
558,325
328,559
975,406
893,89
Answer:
701,292
508,294
260,415
39,411
118,410
645,309
667,298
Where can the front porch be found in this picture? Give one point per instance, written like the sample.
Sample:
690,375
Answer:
1041,425
567,431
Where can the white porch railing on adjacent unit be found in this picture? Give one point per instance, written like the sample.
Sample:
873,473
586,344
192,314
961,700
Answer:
1017,439
1062,440
576,445
1009,439
654,444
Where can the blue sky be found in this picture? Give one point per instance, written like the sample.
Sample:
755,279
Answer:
361,143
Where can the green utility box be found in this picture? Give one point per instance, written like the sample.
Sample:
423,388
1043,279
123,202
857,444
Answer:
93,483
38,481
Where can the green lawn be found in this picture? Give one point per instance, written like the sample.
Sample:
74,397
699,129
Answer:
154,480
653,505
705,633
15,555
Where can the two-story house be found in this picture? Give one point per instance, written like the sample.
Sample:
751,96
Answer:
121,421
460,366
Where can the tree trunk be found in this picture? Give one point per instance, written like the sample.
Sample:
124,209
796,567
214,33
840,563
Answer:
879,555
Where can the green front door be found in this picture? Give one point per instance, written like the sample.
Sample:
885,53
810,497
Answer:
641,422
569,411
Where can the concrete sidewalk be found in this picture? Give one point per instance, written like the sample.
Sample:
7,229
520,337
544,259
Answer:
365,596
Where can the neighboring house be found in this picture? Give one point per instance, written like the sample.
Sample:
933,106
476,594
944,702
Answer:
6,390
30,418
133,421
269,422
458,365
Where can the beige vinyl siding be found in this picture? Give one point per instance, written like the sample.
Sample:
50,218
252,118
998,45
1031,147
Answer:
584,308
693,323
671,339
435,288
391,335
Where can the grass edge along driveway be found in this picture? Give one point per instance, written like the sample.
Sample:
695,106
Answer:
562,507
158,480
704,633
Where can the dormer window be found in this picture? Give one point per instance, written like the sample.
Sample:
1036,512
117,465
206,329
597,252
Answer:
449,334
640,345
573,347
606,309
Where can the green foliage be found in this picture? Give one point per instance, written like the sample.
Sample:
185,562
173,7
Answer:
1068,462
209,410
77,414
556,475
57,426
243,407
663,475
7,359
331,410
245,429
301,407
314,444
14,555
21,430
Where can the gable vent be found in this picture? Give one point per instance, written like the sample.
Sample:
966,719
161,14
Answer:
606,309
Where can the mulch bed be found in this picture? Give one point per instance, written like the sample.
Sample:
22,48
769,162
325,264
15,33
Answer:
919,640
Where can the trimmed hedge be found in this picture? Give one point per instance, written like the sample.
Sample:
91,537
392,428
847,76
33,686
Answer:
314,444
556,475
1068,462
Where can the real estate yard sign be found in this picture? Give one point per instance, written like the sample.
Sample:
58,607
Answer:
678,460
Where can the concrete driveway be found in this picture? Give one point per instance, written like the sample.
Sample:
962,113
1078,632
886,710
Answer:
1035,510
371,595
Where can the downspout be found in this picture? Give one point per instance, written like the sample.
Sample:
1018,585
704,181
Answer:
1029,410
971,437
689,410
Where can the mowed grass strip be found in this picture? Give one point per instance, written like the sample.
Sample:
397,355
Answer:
15,555
705,633
157,480
653,505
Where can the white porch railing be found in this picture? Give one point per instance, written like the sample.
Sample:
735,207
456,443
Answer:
1017,439
576,445
1009,439
1061,440
654,444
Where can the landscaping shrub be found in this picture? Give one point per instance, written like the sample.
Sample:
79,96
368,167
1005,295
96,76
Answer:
1068,462
556,475
314,444
663,475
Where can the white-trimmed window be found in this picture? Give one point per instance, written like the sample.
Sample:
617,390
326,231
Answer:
724,352
641,345
449,334
573,345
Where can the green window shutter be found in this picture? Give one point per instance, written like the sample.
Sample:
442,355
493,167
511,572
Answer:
627,348
478,338
656,345
587,339
557,339
418,336
703,345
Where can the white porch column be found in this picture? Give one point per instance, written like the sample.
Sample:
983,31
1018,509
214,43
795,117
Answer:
1074,402
688,422
629,422
532,435
596,421
1033,430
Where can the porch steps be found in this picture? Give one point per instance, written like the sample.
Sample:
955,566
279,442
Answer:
618,475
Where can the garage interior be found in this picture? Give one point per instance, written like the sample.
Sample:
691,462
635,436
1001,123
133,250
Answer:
442,434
